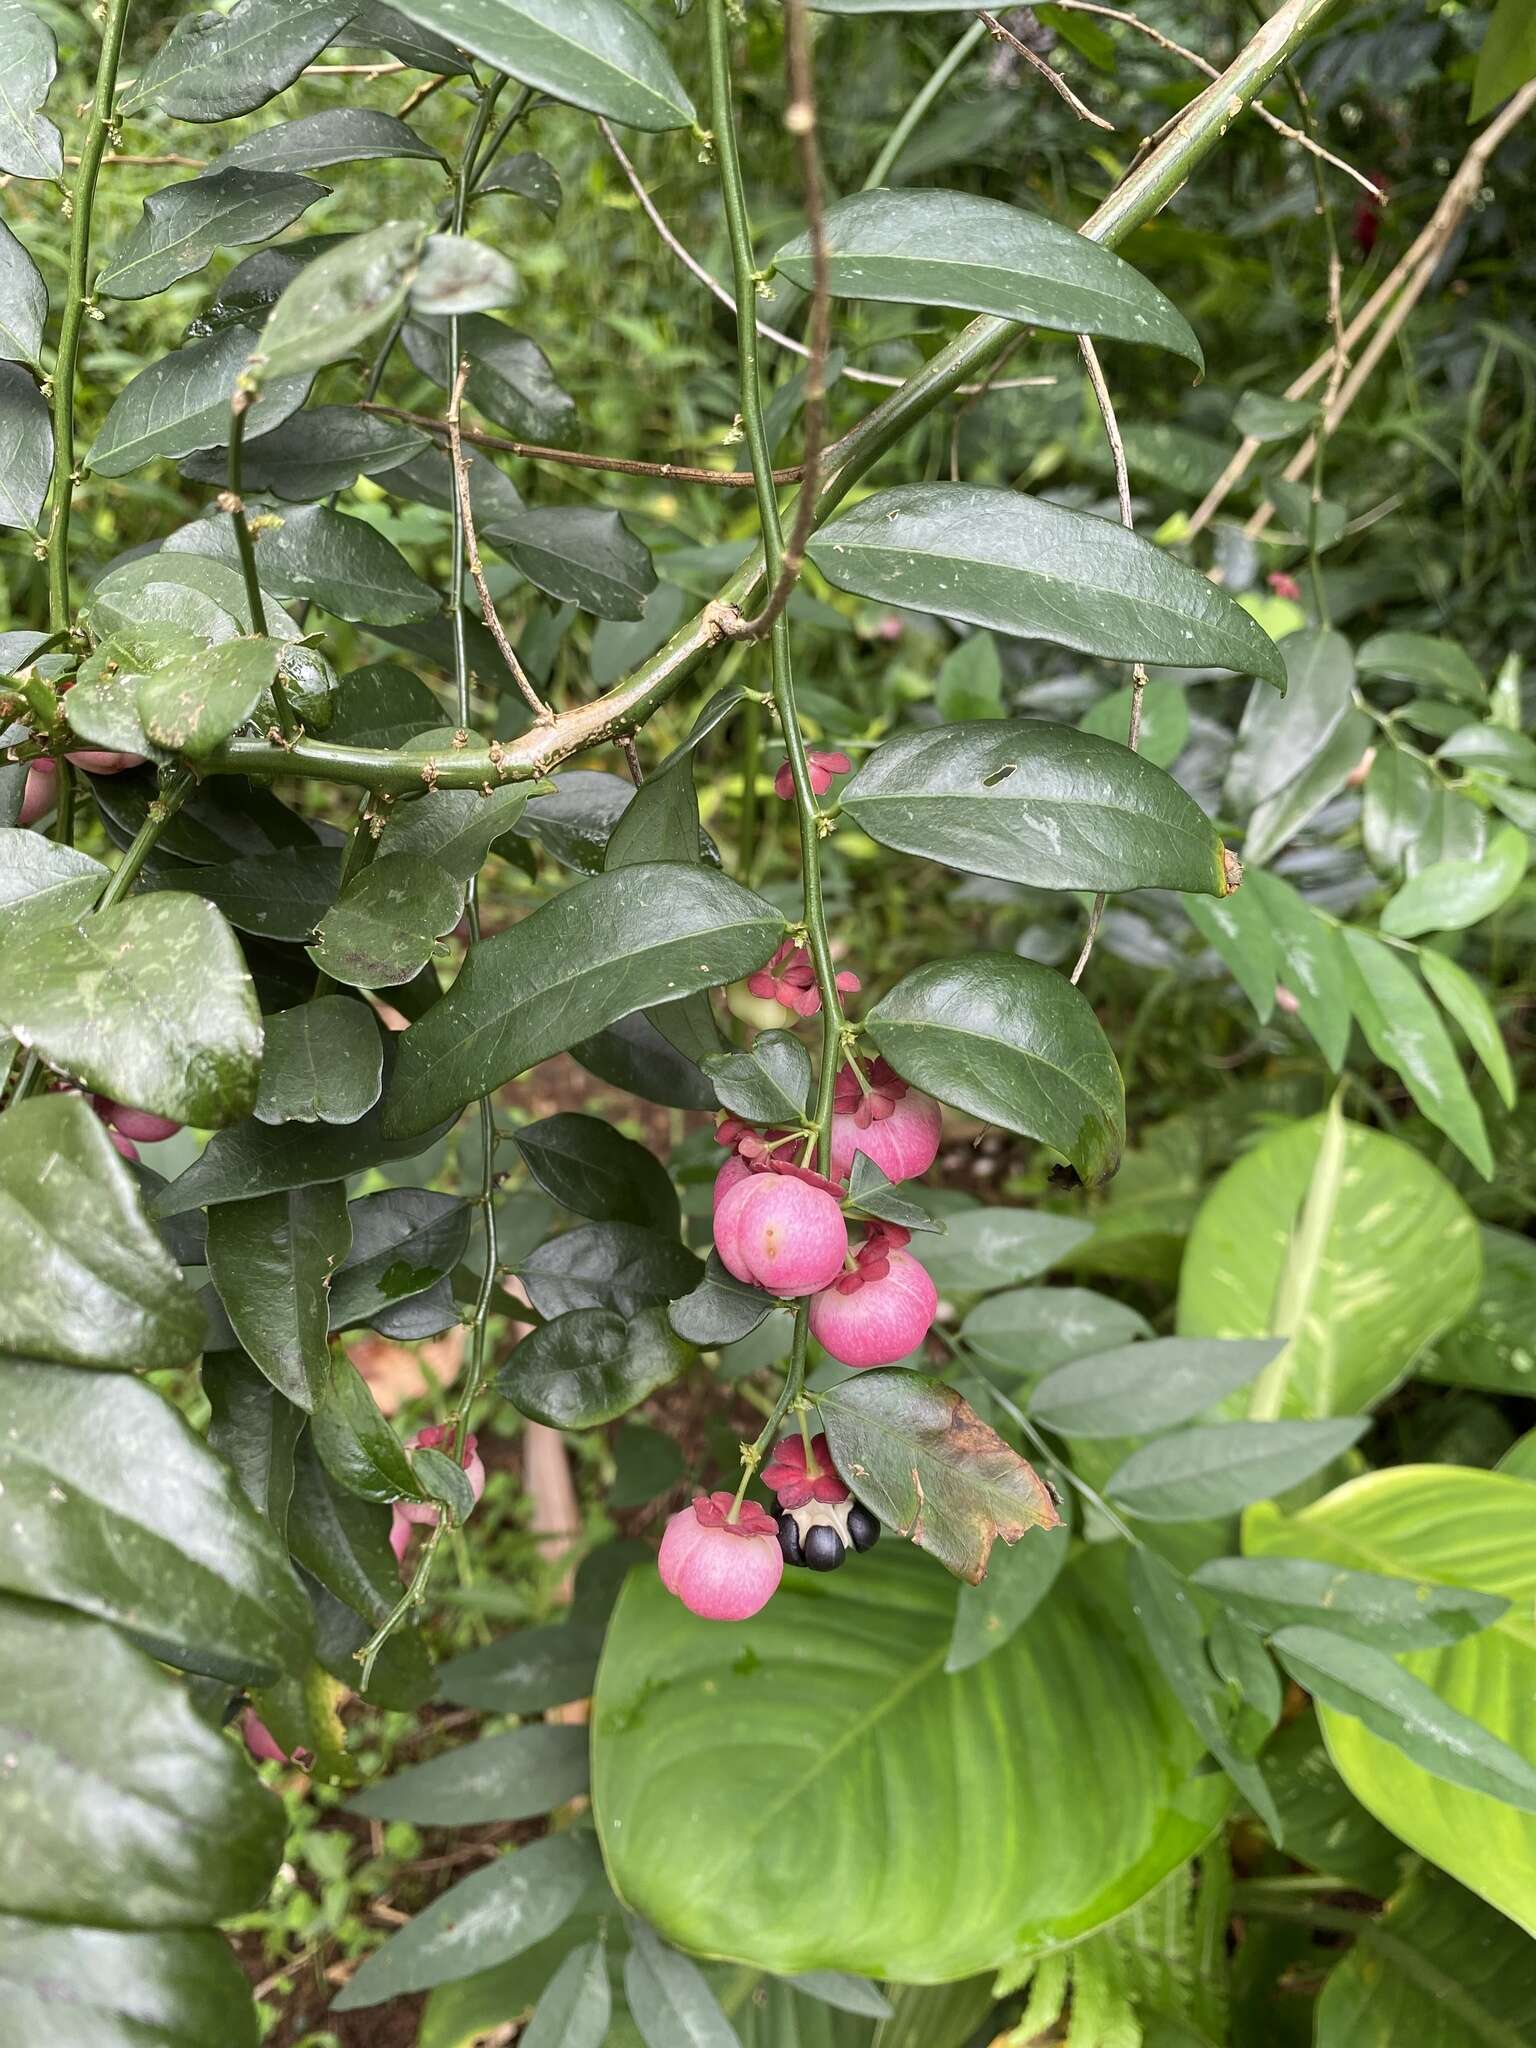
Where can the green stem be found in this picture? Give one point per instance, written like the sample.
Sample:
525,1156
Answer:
943,72
751,753
76,305
174,792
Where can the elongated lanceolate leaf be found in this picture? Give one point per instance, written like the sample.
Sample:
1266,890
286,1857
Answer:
1200,1473
181,403
215,65
271,1258
183,226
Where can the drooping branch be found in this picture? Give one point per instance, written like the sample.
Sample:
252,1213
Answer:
1052,77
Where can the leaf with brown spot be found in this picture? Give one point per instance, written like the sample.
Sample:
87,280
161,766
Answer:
922,1459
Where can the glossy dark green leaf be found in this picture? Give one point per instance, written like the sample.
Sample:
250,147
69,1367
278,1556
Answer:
162,1543
271,1258
281,895
1440,666
387,29
260,1159
24,300
991,1247
193,591
216,65
933,248
338,135
191,709
923,1461
459,275
510,381
1014,1044
149,1002
64,1986
1355,1679
1022,565
322,449
1449,895
1462,999
43,883
484,1919
1221,1467
355,1443
29,142
1318,522
224,820
26,448
120,1803
323,1063
330,559
576,2006
515,1776
575,820
384,926
526,1672
184,226
621,1266
605,58
254,1430
87,1281
454,829
873,1194
590,1366
1403,1028
1017,1580
588,1167
619,942
770,1084
669,1997
580,554
1272,1593
404,1240
1310,960
530,177
720,1310
1147,1387
338,300
633,1055
1278,736
384,705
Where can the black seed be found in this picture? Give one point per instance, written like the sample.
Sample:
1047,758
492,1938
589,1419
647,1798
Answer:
863,1528
823,1549
789,1539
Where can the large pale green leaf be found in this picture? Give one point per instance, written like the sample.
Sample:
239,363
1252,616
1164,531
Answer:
120,1803
1038,803
215,65
1022,565
87,1281
204,596
1403,1028
931,248
271,1259
338,300
1389,1263
1449,895
181,402
149,1002
43,883
616,943
29,142
184,226
593,53
831,1713
1031,1330
1270,1593
1012,1043
63,1986
115,1507
1494,1344
998,1247
1457,1527
26,448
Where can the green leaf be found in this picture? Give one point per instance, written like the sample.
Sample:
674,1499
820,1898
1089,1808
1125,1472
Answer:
932,248
88,1281
633,1055
669,1997
355,1443
1491,1345
1401,797
1310,960
162,1542
24,298
453,828
990,1615
1259,416
1034,1329
43,883
604,59
1319,522
579,554
575,2009
1325,1825
260,1159
149,1002
1013,1044
608,1265
1279,736
1439,666
184,226
511,382
1403,1028
1278,819
588,1167
1389,1262
323,1063
384,927
1449,895
255,1431
1146,1387
996,1247
1272,1593
311,453
120,1802
65,1985
404,1241
1201,1473
1507,58
338,135
617,943
720,1310
338,300
326,558
1237,929
1022,565
590,1366
26,448
384,706
576,819
923,1461
216,65
516,1776
769,1084
460,275
482,1920
194,708
531,177
920,1777
280,895
191,591
1031,802
1494,749
103,700
526,1672
271,1258
29,142
1461,996
970,683
1164,720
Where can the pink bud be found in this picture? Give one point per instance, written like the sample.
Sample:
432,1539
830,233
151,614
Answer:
135,1123
892,1124
124,1145
721,1569
436,1437
1284,586
787,1476
820,765
263,1744
95,761
876,1314
789,980
777,1231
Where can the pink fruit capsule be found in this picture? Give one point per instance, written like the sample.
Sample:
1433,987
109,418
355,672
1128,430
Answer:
881,1116
776,1231
140,1124
863,1321
721,1569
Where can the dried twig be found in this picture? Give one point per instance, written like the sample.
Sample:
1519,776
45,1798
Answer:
424,91
619,465
1052,77
519,674
631,753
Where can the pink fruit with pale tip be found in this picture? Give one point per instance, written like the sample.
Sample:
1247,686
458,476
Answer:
776,1231
873,1318
141,1124
721,1569
891,1123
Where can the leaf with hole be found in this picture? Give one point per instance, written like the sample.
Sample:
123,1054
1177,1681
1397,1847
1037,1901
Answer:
404,1241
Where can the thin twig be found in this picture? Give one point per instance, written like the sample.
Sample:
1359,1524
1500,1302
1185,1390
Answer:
389,70
988,383
190,163
712,285
631,753
519,674
424,91
618,465
1052,77
1106,405
800,120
